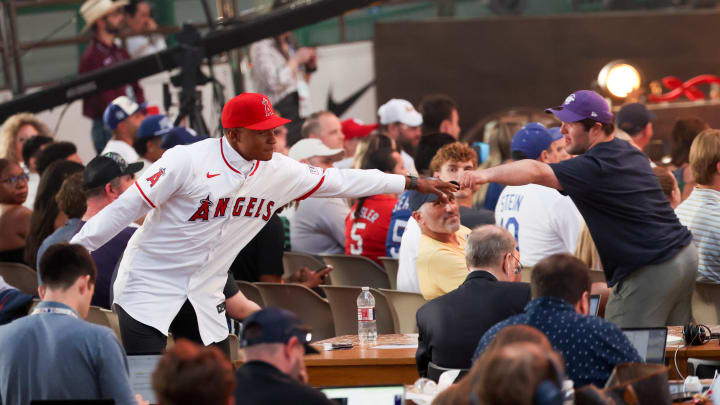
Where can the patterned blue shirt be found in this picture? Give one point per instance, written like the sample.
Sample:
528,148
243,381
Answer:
590,346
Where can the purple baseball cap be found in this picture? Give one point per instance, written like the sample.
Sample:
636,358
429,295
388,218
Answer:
581,105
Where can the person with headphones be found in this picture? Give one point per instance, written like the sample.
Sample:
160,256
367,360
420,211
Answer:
524,373
592,347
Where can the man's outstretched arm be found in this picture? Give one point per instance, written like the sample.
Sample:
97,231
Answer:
111,220
514,174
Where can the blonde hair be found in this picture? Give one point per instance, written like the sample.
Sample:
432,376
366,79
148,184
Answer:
10,128
498,136
705,155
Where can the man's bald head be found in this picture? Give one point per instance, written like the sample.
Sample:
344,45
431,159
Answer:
487,247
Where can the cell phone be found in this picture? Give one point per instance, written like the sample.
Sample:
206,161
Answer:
337,346
323,268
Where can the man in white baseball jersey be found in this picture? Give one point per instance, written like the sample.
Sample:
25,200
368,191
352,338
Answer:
204,202
542,220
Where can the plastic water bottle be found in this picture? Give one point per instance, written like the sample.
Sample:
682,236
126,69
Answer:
367,328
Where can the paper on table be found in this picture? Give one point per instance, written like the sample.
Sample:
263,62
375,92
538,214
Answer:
674,340
411,346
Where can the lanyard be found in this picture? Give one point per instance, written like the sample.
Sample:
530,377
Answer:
50,310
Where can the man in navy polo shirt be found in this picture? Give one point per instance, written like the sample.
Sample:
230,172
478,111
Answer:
647,255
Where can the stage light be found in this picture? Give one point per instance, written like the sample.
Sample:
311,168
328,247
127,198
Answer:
619,79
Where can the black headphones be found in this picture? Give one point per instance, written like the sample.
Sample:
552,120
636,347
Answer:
549,392
695,335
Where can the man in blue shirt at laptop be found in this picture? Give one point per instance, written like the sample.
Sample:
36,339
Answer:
647,255
53,353
591,346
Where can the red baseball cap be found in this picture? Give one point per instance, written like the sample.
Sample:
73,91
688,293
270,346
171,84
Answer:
354,128
251,111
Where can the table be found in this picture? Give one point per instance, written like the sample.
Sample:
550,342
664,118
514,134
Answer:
708,351
364,366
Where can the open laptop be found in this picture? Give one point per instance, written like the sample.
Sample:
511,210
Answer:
649,342
368,395
141,368
594,304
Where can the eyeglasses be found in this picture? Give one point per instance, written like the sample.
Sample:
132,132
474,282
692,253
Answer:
519,266
16,179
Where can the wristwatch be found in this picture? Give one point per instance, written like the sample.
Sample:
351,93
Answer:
413,182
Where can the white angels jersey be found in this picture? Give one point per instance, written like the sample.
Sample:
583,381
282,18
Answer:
205,203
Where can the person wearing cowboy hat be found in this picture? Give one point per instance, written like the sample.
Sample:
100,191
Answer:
105,19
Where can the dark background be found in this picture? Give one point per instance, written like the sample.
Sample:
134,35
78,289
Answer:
492,64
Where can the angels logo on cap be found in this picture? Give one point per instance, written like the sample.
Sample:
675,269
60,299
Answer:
268,107
251,111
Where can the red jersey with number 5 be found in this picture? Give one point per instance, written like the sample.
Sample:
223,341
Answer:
366,234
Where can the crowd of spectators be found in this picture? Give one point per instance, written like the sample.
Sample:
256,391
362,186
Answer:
558,200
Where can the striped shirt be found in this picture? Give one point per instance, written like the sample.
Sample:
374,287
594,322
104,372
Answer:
701,214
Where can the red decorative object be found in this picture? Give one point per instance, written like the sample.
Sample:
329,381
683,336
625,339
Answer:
678,88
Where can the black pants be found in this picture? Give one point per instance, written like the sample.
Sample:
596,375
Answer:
139,338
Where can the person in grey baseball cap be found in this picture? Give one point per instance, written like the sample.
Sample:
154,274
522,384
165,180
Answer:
647,255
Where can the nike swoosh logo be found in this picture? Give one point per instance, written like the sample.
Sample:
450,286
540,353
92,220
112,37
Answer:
210,176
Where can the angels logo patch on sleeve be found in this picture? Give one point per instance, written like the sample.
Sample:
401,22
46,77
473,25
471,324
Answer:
155,177
315,170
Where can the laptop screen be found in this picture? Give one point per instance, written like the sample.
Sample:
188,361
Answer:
594,304
141,369
649,342
374,395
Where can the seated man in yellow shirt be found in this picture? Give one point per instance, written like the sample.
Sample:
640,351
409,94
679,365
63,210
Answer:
441,263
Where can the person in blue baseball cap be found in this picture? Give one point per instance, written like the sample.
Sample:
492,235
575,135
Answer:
274,343
543,221
123,117
534,141
157,134
647,255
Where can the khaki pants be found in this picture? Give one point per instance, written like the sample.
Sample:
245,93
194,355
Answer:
656,295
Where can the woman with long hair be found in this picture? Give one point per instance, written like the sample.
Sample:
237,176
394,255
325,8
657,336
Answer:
15,131
367,224
46,216
14,218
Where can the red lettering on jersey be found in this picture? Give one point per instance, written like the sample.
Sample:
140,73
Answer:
155,177
250,206
268,210
203,211
259,209
221,207
237,210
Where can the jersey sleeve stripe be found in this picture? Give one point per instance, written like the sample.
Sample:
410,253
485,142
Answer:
222,153
143,195
311,192
257,164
